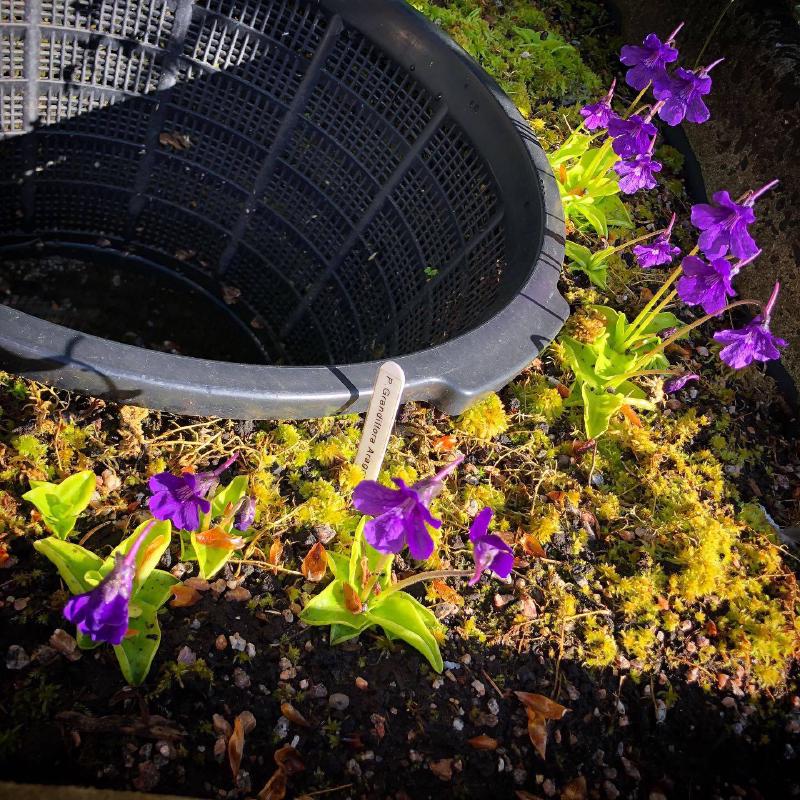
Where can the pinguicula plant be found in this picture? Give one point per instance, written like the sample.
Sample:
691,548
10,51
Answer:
609,357
205,514
362,594
116,599
60,504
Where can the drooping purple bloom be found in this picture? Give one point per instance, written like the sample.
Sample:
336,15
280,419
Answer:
682,94
489,550
724,224
102,614
400,515
637,173
632,136
649,60
245,514
706,284
597,115
181,498
676,384
754,341
657,252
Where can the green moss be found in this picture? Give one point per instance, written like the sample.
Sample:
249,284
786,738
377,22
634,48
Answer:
485,420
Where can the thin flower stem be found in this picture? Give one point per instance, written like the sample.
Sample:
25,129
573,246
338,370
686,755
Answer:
632,242
686,328
640,374
643,319
633,105
379,568
432,575
712,32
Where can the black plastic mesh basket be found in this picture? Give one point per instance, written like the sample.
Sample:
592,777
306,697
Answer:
333,182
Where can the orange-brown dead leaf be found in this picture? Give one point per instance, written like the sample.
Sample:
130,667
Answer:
315,563
275,788
442,769
576,789
531,545
448,594
293,715
563,390
184,596
352,601
5,557
674,349
558,499
631,416
541,705
236,746
645,295
217,537
275,554
444,444
288,758
537,730
523,795
482,742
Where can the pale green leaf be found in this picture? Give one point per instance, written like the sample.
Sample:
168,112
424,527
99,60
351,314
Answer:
71,560
61,503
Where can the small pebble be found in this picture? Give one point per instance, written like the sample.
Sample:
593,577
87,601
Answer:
238,595
221,643
241,679
458,724
493,706
17,658
361,684
338,701
186,655
237,642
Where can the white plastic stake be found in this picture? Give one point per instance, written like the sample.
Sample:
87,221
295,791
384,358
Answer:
380,418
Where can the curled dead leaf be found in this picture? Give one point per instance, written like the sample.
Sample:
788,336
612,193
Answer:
531,545
221,726
537,731
541,705
275,788
447,593
275,554
236,746
289,759
293,715
184,596
217,537
442,769
352,601
482,742
315,563
248,721
558,499
563,390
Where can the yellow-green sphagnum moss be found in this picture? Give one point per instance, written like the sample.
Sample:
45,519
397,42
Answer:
485,420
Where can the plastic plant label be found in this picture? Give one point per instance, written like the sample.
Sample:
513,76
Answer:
380,418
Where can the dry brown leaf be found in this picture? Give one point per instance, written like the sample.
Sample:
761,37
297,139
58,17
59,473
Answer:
288,758
558,499
175,140
444,444
315,563
236,746
293,715
352,601
482,742
630,415
576,789
222,540
248,721
442,769
275,553
184,596
541,705
275,788
221,726
531,545
537,730
523,795
563,390
447,593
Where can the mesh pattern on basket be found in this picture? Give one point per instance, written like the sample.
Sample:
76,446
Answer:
279,153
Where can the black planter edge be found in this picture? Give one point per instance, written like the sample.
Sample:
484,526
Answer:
452,375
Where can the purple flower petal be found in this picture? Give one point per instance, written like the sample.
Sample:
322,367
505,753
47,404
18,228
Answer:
647,62
706,284
489,550
676,384
374,499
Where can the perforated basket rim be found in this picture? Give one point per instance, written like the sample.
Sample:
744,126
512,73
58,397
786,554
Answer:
451,375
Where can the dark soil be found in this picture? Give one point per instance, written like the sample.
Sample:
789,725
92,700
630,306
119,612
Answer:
121,300
392,735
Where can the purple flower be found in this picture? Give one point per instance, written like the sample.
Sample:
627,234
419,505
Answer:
489,550
706,284
181,498
682,94
657,252
638,173
245,514
102,613
648,61
753,342
598,114
724,225
632,136
676,384
401,515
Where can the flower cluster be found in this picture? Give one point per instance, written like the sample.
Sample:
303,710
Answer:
400,518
